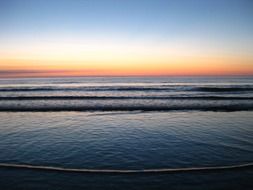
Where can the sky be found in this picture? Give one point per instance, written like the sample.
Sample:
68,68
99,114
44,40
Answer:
45,38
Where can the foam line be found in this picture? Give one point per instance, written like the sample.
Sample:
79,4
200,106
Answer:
120,171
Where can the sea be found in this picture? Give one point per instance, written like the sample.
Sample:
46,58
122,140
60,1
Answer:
156,133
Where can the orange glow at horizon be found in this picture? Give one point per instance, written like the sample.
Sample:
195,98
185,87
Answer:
156,67
107,58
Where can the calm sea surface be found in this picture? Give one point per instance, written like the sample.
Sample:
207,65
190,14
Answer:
126,124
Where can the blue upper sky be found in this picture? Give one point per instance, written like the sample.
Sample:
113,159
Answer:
224,24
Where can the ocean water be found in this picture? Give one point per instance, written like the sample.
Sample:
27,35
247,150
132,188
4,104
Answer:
126,124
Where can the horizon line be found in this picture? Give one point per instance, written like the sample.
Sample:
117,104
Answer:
126,76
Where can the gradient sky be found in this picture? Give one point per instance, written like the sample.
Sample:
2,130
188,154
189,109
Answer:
125,37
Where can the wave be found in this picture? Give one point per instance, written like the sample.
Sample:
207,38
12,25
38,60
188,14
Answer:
121,171
131,88
124,98
99,88
83,108
224,89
